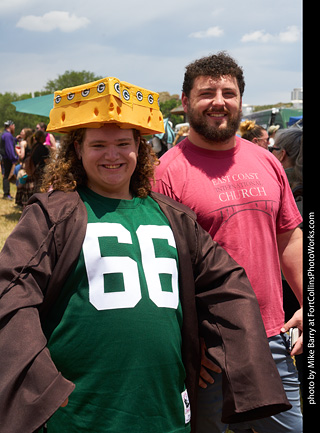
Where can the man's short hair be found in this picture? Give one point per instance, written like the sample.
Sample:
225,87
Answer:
215,66
8,123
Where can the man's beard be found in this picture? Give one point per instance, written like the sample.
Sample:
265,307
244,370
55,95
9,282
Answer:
213,133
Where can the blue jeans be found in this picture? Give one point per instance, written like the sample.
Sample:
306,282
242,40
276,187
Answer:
6,168
210,399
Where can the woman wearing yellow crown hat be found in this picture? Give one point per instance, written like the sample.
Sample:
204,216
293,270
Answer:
101,314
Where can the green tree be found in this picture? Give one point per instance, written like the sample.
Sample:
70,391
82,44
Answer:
167,106
21,120
70,79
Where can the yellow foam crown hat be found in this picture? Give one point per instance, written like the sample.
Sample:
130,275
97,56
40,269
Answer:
108,100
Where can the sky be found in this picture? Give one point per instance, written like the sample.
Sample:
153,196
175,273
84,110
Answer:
149,43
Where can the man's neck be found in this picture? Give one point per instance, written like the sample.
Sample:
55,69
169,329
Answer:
200,141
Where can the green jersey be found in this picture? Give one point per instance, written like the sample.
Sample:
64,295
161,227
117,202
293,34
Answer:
115,330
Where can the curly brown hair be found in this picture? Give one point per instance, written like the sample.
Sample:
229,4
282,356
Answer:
215,66
65,171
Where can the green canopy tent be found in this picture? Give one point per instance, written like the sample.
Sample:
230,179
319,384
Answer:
41,105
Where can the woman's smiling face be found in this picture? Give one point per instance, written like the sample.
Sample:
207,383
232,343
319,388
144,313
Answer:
109,156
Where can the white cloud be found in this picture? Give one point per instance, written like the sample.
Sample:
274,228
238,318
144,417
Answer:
211,32
257,36
292,34
61,20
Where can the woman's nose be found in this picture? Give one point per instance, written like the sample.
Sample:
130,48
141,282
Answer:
111,152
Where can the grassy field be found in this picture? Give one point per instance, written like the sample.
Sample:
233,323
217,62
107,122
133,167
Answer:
9,215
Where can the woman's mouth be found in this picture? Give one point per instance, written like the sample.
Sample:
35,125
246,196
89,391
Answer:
112,166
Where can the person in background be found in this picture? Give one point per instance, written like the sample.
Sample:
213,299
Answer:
50,140
250,130
22,142
272,132
100,316
288,149
242,197
21,149
40,155
9,156
181,134
29,177
25,182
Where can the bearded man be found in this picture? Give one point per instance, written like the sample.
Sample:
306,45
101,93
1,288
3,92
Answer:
242,197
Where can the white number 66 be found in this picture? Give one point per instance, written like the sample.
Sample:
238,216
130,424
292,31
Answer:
97,266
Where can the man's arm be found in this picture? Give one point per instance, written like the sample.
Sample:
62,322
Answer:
290,254
231,325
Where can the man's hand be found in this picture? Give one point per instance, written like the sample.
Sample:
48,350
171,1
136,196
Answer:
296,321
206,362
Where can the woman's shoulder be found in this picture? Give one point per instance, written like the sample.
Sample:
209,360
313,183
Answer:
58,205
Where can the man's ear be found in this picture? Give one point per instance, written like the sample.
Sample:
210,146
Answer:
282,155
184,100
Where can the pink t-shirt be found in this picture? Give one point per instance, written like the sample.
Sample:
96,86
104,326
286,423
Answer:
48,141
243,199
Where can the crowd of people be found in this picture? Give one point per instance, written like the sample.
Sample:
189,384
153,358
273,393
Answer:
23,159
149,296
